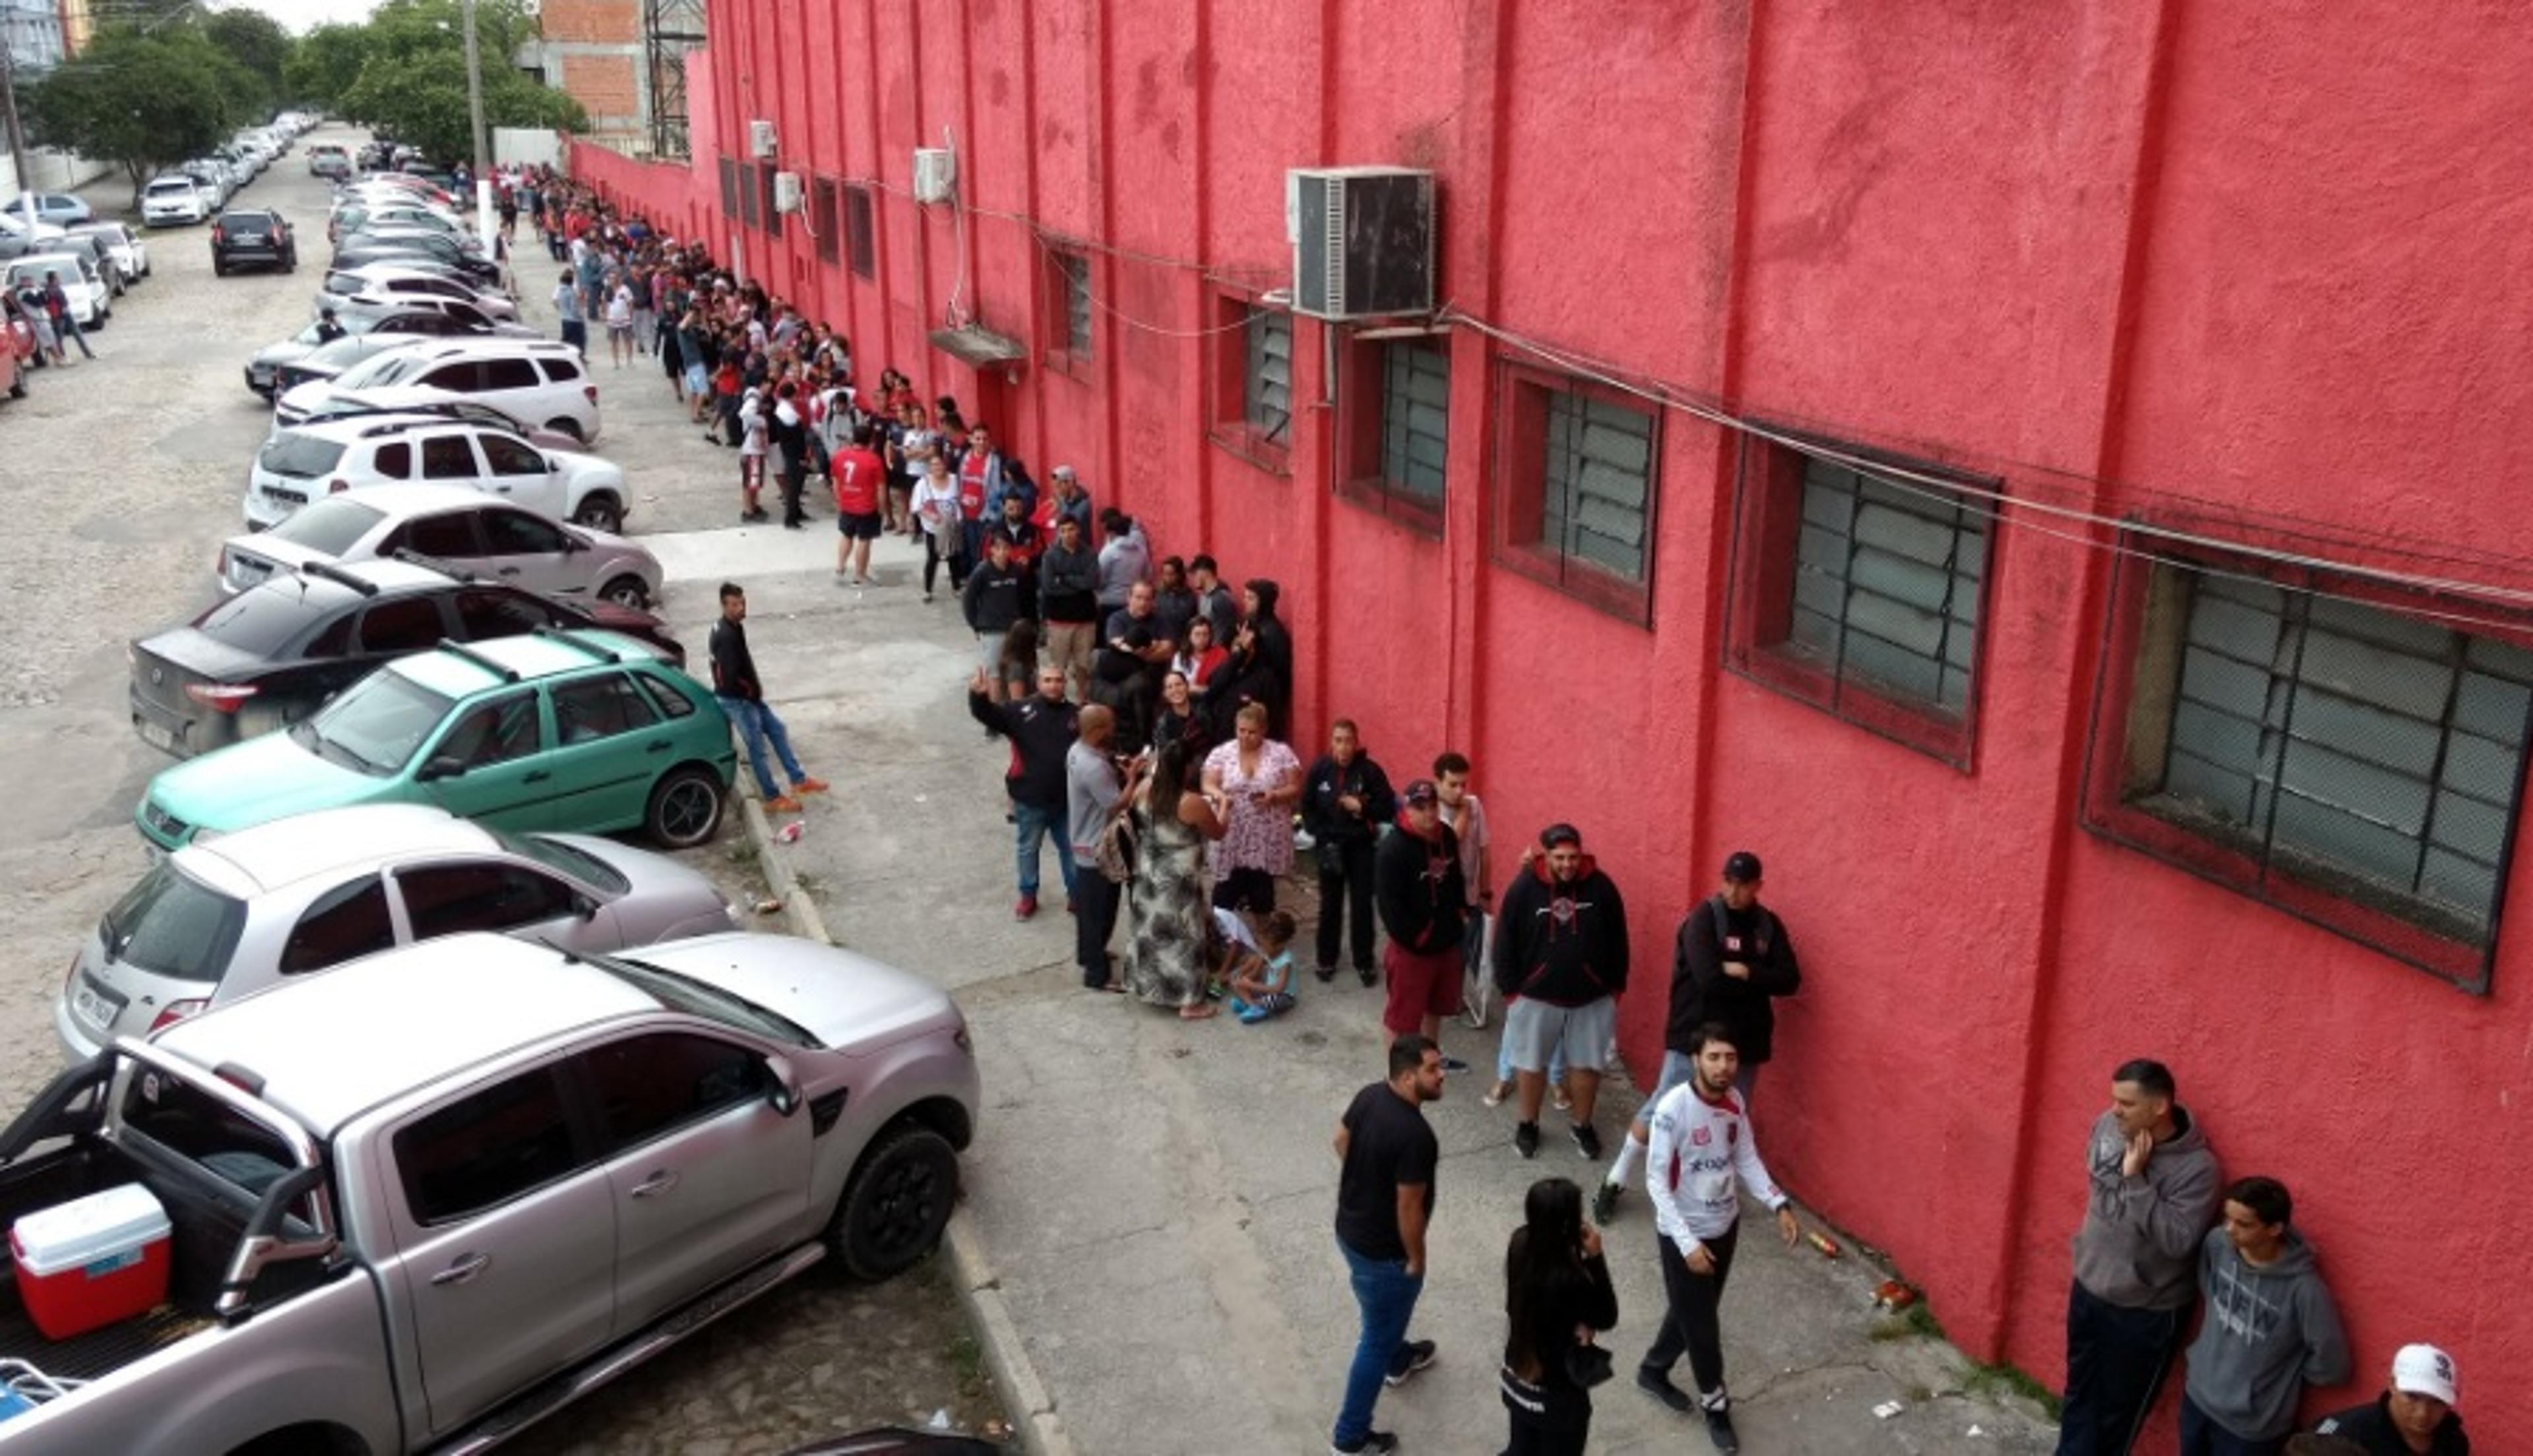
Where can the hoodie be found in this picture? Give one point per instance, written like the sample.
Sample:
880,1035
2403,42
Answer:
1041,730
1566,945
1710,935
2267,1333
2139,1246
1330,780
1263,672
1416,884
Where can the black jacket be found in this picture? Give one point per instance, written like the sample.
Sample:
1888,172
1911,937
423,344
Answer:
1700,991
1416,883
1262,671
2370,1429
1579,1296
734,669
1068,585
995,597
1330,780
1042,733
1566,945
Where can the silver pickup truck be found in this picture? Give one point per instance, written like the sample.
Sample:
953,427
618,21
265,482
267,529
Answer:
425,1199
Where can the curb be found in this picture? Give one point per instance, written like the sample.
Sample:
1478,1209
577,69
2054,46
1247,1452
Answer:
1035,1421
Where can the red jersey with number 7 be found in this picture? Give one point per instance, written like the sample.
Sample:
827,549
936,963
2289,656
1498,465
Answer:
858,475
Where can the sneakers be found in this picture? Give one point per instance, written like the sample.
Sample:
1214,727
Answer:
1368,975
1587,1140
1719,1430
810,786
1655,1383
1325,973
1455,1064
1496,1094
1419,1354
1372,1440
1605,1203
1525,1140
1026,908
783,804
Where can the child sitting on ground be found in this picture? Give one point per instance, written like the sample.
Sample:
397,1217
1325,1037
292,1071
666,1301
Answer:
1262,984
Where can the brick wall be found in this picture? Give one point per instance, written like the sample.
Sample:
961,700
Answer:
606,86
607,21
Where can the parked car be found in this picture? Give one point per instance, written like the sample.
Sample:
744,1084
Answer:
543,380
404,283
245,234
318,457
454,524
422,400
411,1190
471,320
263,369
356,250
582,732
374,214
328,159
223,919
215,177
60,209
174,199
330,359
270,657
100,255
131,254
92,301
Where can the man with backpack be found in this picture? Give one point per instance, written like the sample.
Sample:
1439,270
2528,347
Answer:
1730,961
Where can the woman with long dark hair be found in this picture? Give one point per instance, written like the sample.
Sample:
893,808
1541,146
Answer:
1175,815
1557,1295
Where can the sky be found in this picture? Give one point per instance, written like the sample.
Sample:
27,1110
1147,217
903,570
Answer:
299,16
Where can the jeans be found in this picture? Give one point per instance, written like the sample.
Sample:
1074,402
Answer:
576,332
1692,1312
1345,890
68,329
2116,1362
2201,1436
1032,824
1094,916
1385,1295
756,724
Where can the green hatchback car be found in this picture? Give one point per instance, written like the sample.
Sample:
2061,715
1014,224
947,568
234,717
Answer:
564,730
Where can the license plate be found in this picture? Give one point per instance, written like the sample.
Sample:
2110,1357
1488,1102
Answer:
93,1007
155,736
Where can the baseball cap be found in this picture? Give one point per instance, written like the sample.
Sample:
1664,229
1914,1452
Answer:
1560,833
1064,472
2424,1369
1422,792
1743,866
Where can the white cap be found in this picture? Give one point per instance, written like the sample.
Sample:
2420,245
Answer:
2424,1369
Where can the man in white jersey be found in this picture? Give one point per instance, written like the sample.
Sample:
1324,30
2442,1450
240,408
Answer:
1697,1158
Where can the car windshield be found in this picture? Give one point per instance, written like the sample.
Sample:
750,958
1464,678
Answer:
580,864
265,620
376,725
385,368
33,270
683,992
344,352
172,925
329,526
299,457
169,187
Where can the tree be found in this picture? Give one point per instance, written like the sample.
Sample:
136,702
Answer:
325,64
412,79
139,101
257,43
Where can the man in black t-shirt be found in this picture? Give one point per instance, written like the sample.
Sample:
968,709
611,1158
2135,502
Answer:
1384,1198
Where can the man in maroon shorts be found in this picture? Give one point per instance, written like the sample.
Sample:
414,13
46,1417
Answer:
1423,901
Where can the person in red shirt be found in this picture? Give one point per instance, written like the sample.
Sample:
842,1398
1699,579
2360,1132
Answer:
974,476
858,475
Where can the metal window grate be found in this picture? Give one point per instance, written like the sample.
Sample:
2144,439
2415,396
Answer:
1415,419
861,252
822,218
729,188
1886,586
2370,754
1266,375
747,195
1597,483
1072,276
765,172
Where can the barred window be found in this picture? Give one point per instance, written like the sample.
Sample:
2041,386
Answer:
1266,377
861,252
765,173
1068,288
822,218
1597,479
1415,419
748,194
729,188
1886,588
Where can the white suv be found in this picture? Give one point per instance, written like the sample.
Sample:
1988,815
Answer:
406,285
322,458
172,200
542,381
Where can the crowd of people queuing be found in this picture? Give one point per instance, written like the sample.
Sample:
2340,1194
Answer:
1147,708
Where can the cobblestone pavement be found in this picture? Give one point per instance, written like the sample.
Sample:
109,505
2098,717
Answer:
120,478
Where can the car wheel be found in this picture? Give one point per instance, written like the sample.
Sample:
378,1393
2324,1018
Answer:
896,1205
626,591
686,809
600,512
569,426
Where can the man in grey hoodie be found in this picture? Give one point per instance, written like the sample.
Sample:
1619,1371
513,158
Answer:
2150,1196
2270,1328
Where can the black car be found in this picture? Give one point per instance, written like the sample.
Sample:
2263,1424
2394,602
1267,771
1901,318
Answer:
391,332
358,250
244,235
271,655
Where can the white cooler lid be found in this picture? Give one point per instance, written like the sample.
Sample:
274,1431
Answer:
68,1236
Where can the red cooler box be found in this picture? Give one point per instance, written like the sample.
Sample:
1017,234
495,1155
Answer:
84,1264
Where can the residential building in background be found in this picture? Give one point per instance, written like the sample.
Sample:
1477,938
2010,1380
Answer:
34,32
2045,477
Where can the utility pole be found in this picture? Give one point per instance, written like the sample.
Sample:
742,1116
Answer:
9,105
475,126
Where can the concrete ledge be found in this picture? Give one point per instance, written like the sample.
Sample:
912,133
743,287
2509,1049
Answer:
1039,1430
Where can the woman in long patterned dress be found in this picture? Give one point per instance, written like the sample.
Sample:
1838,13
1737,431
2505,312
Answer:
1262,780
1165,913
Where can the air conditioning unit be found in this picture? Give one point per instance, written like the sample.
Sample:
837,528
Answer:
1363,241
760,140
936,174
787,192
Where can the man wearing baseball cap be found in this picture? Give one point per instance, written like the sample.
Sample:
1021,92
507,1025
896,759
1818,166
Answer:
1423,906
2415,1415
1730,961
1561,949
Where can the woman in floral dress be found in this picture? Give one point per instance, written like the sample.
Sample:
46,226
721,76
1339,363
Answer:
1263,781
1165,912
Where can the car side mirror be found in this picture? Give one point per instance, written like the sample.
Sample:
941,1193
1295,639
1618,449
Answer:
572,544
784,1096
441,766
584,906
